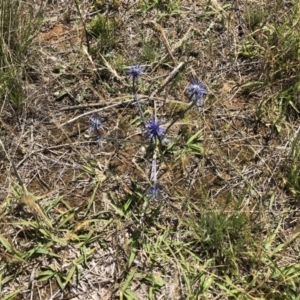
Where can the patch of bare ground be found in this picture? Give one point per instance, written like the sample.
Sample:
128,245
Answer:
94,192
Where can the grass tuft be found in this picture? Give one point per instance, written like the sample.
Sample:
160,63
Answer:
19,22
105,30
274,42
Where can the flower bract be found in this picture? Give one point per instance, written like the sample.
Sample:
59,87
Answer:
154,128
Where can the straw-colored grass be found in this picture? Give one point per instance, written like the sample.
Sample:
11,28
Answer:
77,221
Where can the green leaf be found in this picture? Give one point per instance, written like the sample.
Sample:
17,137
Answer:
207,283
196,148
132,256
194,137
59,281
89,170
278,128
253,84
15,254
291,103
12,295
6,244
45,275
130,276
44,251
70,275
67,216
271,238
130,295
92,199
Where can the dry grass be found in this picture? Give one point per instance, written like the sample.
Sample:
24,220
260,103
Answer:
226,224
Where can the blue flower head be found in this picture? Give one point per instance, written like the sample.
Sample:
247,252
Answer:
154,192
95,122
154,128
196,90
134,73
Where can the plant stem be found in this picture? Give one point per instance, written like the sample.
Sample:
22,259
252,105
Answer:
182,114
84,27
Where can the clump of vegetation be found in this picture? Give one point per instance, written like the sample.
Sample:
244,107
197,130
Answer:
168,6
275,43
102,4
18,26
105,30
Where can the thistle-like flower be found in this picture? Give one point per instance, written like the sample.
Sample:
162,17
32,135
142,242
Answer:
196,90
154,192
134,73
154,128
95,122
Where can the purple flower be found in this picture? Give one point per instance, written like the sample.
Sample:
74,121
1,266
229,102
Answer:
154,192
196,90
134,73
95,122
154,128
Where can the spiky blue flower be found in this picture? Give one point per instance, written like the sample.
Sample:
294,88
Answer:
134,73
154,128
95,122
154,192
196,90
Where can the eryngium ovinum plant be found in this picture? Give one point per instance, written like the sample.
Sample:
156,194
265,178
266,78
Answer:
153,129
